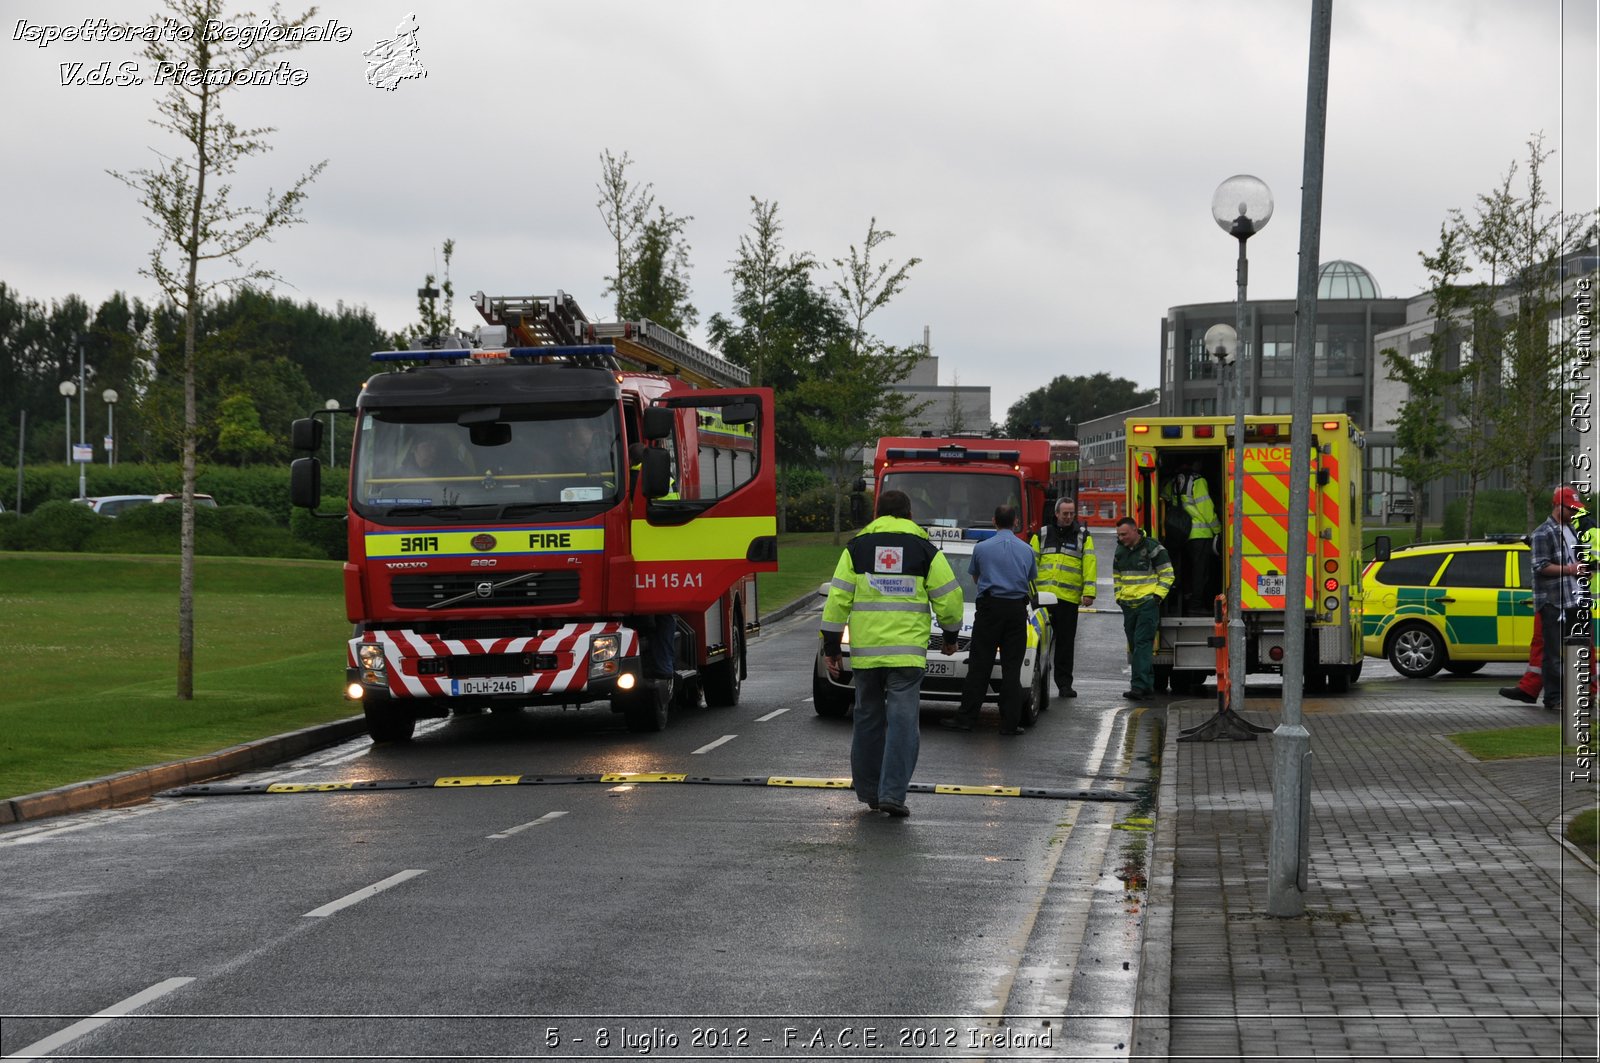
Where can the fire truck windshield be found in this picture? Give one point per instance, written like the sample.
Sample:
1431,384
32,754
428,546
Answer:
954,499
427,461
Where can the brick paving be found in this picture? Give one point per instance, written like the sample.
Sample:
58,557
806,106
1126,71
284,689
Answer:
1443,919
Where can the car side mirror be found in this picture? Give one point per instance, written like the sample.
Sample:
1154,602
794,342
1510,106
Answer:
1380,548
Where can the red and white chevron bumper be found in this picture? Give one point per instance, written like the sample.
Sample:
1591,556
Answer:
558,661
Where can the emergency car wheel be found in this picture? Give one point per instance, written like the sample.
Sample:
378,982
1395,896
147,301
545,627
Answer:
388,722
1030,702
722,678
1416,651
829,700
1463,667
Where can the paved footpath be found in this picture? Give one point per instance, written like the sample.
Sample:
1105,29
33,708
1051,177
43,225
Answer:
1444,918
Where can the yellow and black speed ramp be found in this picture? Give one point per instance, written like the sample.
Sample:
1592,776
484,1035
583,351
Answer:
450,782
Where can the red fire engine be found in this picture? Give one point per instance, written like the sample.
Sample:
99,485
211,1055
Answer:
542,515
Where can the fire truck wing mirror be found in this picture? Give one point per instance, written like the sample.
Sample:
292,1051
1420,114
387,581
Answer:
306,434
493,434
657,422
740,413
305,482
655,472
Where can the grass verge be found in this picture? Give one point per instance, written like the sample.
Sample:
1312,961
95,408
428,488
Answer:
805,560
1538,740
1584,832
91,687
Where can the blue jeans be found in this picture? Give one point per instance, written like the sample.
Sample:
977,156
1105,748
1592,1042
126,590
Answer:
884,746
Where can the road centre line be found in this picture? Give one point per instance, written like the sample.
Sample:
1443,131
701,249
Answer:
771,715
509,831
44,1047
362,894
709,746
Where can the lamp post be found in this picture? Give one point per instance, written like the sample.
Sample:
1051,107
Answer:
68,389
332,406
1241,206
1221,343
111,396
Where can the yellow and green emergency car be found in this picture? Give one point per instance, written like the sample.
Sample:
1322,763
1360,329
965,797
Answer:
1451,605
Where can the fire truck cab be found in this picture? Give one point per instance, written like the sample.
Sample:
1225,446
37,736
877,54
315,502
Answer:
955,483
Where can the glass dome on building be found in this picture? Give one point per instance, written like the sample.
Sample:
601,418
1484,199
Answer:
1346,280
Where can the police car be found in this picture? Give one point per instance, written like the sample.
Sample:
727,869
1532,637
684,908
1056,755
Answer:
1449,605
947,675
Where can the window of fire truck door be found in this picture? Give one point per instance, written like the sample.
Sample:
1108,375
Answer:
726,458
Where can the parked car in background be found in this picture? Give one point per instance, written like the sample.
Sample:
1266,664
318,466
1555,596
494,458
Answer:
947,675
1450,605
112,505
199,499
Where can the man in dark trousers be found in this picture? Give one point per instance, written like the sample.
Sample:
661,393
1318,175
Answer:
1005,570
1557,592
1066,569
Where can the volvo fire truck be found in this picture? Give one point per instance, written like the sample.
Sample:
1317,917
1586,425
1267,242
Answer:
542,514
1158,448
956,482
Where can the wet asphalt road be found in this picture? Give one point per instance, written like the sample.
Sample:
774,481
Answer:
603,920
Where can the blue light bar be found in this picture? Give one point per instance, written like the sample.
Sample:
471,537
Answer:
979,534
458,354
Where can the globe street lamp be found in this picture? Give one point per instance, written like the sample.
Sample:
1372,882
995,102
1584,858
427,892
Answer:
111,396
1241,206
332,406
68,389
1222,343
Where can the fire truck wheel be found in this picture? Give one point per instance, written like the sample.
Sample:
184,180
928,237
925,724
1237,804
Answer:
646,708
1416,651
722,678
388,722
829,700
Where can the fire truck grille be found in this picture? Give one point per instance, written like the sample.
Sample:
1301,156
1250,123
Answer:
502,664
484,591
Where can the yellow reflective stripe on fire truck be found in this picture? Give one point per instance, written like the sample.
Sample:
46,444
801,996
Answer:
702,539
479,542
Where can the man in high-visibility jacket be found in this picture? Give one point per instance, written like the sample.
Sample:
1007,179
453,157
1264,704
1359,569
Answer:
1067,569
886,578
1142,576
1189,491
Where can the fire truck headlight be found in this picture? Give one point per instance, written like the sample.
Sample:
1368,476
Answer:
354,692
603,653
370,654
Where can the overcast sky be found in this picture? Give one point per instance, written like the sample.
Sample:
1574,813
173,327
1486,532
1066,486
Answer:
1052,163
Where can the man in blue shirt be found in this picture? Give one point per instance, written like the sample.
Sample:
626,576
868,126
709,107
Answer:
1005,569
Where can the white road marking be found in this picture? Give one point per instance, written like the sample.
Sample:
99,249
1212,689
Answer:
509,831
772,715
42,1048
362,894
83,821
709,746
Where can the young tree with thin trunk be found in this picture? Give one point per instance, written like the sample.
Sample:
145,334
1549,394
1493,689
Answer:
625,208
188,204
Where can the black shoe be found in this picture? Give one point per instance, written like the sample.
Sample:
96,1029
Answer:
1552,708
870,804
1010,730
1068,692
895,809
1135,695
1518,694
955,723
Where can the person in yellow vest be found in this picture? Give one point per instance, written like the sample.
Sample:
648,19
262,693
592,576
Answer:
1141,573
1067,569
886,580
1189,491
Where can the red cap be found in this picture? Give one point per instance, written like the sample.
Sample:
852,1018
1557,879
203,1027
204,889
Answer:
1566,496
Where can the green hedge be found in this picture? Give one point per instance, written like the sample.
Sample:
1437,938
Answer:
265,487
224,531
1494,513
